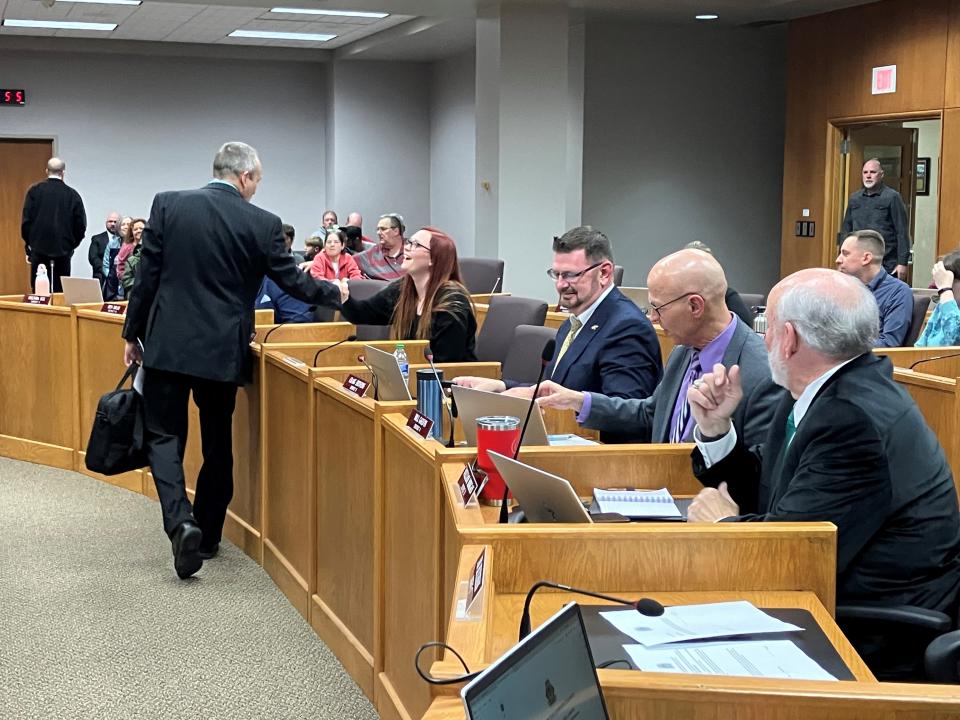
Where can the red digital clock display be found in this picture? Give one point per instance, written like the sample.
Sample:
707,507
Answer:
13,97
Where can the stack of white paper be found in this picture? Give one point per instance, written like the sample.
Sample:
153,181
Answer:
637,503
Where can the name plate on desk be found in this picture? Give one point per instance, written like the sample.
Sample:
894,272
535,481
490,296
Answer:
471,482
113,308
476,579
293,362
357,386
419,423
37,299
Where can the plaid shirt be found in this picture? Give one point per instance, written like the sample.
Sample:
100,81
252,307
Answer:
377,266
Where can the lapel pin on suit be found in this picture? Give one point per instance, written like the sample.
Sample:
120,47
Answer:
594,327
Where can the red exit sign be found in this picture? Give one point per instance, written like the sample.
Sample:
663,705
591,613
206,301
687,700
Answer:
16,98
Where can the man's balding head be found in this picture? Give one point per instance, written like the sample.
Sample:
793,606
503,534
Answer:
355,219
55,167
687,290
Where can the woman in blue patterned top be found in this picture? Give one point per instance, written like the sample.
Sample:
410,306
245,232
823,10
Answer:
943,327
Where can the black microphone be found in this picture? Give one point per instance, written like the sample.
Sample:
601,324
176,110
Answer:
303,313
428,354
373,376
349,338
930,359
644,606
546,356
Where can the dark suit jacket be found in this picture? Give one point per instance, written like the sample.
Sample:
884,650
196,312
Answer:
864,459
204,255
98,245
54,221
650,417
616,354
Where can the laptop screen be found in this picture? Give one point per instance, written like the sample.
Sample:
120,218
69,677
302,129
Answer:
550,674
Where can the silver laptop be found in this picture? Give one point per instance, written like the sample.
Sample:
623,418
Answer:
81,290
639,295
549,674
388,379
544,498
473,404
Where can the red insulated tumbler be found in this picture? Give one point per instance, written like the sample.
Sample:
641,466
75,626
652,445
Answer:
500,433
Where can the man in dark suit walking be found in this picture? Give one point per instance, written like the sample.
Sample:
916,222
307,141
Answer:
205,253
847,446
687,291
53,224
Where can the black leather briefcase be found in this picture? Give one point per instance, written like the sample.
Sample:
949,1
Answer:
116,439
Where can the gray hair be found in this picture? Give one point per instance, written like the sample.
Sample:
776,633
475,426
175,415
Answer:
235,158
839,329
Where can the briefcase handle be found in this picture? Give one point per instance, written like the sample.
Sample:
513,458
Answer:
131,371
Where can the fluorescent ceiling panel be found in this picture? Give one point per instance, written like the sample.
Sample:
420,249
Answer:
338,13
104,2
267,35
60,25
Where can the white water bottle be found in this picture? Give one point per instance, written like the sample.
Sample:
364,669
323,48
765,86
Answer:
41,285
400,354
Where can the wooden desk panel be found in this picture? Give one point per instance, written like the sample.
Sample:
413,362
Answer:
948,367
347,353
38,384
305,332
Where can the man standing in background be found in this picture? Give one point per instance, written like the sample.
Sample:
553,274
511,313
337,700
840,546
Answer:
53,225
99,243
878,207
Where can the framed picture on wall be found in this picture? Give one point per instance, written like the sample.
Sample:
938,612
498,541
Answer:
923,176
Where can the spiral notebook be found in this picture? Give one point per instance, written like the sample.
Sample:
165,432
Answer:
638,503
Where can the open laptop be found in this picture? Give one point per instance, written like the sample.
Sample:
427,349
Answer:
473,404
639,295
544,498
81,290
549,674
389,380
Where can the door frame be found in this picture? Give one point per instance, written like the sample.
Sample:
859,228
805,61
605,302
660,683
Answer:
833,168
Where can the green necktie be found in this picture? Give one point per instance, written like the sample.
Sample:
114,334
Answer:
791,429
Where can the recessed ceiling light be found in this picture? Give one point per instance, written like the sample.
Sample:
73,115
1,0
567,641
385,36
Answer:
104,2
60,25
265,35
707,16
338,13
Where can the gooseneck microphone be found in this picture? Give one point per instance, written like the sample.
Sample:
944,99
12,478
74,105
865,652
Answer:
303,313
546,356
644,606
495,285
931,359
428,354
373,376
349,338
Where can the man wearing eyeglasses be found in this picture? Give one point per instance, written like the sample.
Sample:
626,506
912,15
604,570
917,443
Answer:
686,291
607,345
383,260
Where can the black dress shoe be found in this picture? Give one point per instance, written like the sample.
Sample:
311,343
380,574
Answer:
186,549
206,553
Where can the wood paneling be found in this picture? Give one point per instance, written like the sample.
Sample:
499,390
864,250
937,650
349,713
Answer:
948,229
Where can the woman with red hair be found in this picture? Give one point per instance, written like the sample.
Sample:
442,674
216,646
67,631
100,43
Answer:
428,303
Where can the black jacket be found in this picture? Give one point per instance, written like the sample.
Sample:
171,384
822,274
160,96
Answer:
204,255
54,221
864,459
98,245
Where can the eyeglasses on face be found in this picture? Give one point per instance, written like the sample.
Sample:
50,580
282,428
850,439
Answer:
412,244
569,275
658,308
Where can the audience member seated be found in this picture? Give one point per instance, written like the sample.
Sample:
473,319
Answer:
129,262
943,327
111,285
355,219
735,303
687,297
312,246
847,446
861,255
384,261
286,308
333,263
607,345
288,235
429,303
354,244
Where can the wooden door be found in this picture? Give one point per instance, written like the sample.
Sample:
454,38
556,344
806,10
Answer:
22,163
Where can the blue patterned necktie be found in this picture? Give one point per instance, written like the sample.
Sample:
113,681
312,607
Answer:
694,372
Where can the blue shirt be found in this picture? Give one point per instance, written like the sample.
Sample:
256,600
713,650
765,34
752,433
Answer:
895,300
286,308
943,327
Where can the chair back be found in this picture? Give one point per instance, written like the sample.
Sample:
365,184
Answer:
522,363
752,300
364,289
618,275
482,275
506,312
920,304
